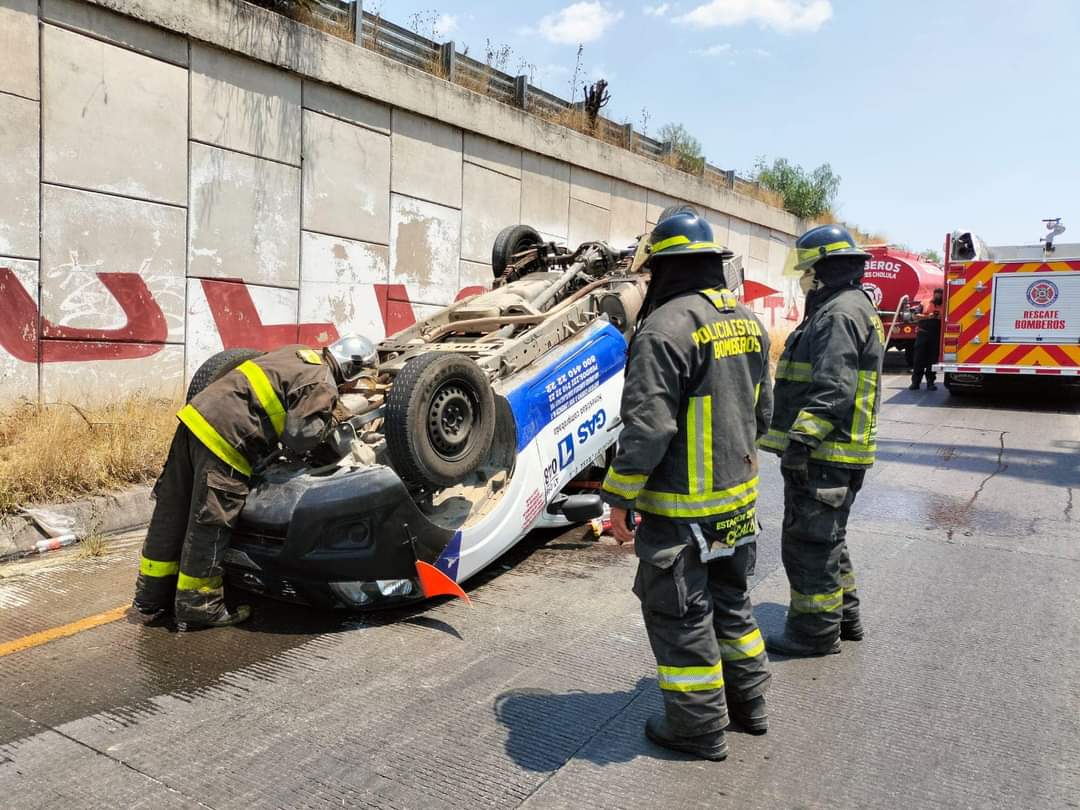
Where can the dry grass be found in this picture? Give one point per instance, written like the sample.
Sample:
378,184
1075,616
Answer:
92,546
58,452
861,237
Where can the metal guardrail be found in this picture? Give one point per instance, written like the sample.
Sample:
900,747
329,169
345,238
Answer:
441,58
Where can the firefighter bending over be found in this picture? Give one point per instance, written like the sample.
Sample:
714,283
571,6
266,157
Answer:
824,424
226,431
697,396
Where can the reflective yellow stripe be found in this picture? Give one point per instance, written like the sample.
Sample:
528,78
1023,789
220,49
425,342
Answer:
865,394
706,444
793,371
676,241
264,391
736,649
845,453
813,254
213,440
699,505
723,299
309,356
694,477
691,679
816,602
156,568
848,582
811,425
625,486
774,440
204,584
757,393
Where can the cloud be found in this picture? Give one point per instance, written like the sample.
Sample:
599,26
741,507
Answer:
658,10
446,24
786,16
578,23
714,50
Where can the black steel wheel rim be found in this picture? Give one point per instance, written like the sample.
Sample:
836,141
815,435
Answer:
451,417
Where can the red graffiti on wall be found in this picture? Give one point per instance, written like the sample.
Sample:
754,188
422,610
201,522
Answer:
21,333
30,338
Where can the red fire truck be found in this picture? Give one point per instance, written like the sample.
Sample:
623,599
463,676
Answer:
1010,310
897,281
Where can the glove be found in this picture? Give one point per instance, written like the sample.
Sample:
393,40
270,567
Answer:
795,460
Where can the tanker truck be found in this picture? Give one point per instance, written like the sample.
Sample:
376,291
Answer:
898,282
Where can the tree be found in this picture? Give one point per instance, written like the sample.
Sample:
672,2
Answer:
931,256
806,195
685,148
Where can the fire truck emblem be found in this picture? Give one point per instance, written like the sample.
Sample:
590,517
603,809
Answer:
874,291
1042,293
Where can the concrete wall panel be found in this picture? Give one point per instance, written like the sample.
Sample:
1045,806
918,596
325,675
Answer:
739,238
494,155
545,194
721,225
587,223
102,381
657,203
425,242
331,260
19,48
116,28
759,243
427,159
19,177
86,234
346,179
475,274
113,120
18,370
491,202
251,315
590,187
351,308
323,98
244,218
627,212
244,105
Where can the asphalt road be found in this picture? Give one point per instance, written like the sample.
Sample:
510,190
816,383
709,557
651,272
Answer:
964,694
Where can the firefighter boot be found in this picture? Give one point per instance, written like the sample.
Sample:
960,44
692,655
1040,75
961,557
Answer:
711,746
751,716
930,377
793,648
223,618
851,630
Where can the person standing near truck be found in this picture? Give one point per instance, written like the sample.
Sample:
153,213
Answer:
824,428
287,396
927,343
696,397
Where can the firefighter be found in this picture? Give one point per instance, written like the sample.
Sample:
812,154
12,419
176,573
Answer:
227,430
927,341
824,423
687,461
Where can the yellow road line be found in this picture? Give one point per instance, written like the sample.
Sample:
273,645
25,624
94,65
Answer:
63,631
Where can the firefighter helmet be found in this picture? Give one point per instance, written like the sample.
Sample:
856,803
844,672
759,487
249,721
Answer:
684,234
349,356
825,241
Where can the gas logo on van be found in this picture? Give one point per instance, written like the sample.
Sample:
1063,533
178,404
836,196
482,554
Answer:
1042,293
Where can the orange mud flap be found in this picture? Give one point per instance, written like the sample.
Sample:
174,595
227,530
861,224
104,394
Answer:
434,582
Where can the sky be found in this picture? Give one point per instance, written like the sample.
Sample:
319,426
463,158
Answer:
936,114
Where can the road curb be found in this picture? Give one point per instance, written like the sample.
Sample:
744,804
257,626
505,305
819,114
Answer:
21,535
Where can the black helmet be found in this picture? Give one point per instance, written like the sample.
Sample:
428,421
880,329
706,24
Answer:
825,241
684,234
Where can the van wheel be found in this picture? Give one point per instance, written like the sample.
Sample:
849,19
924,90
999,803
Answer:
440,420
217,367
511,241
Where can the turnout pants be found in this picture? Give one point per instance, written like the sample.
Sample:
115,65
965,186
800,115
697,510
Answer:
815,555
701,626
198,499
923,364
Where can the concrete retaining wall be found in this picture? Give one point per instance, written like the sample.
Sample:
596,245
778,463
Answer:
182,177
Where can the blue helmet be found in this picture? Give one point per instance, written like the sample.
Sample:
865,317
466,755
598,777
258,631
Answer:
825,241
684,233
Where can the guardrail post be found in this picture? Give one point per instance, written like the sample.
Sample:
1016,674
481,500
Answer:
447,61
628,136
729,178
356,13
521,92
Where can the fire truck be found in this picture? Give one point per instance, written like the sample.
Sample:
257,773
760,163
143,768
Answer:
1010,310
900,283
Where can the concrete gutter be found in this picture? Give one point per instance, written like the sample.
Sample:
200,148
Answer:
272,38
21,535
